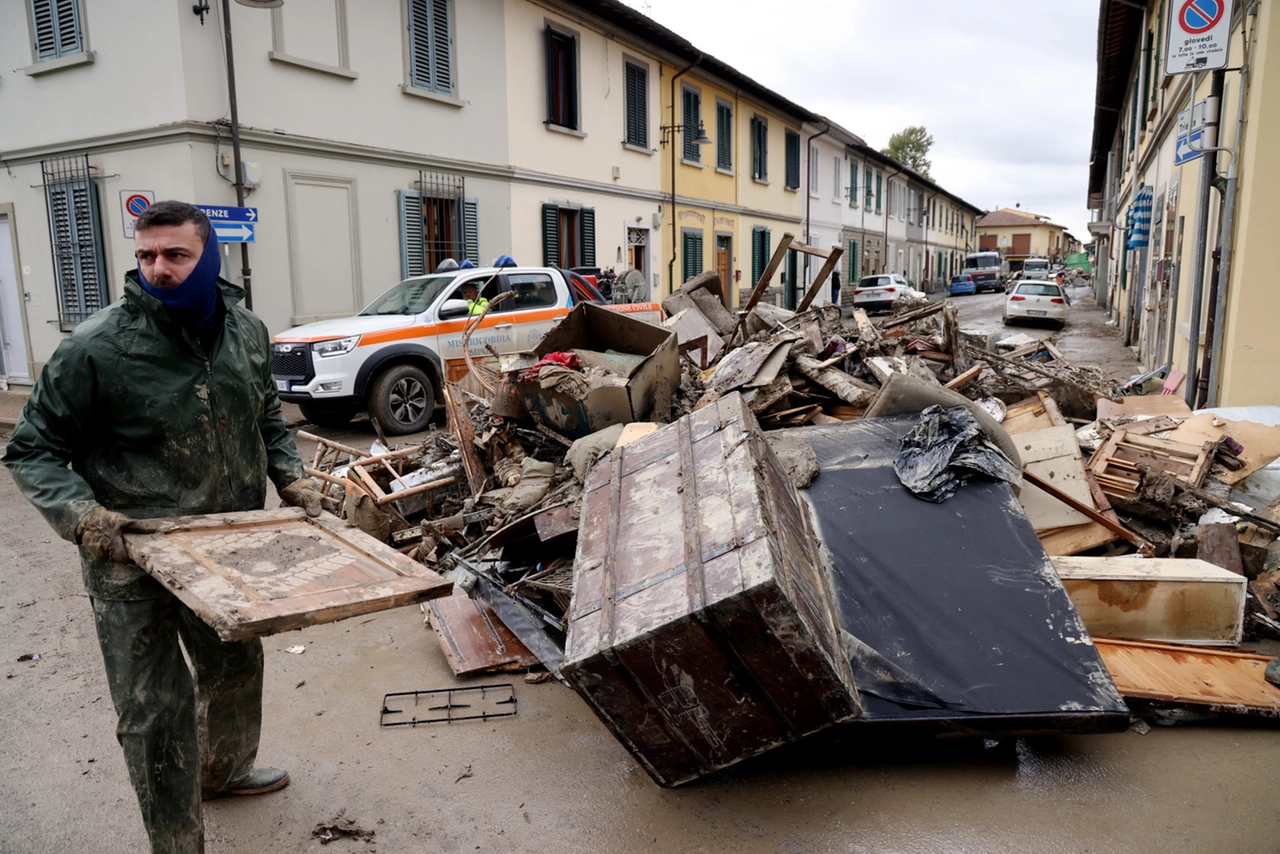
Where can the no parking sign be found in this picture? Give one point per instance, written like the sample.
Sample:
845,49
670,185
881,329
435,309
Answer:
132,204
1199,35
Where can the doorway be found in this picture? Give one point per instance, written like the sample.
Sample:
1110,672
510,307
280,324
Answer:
724,252
13,343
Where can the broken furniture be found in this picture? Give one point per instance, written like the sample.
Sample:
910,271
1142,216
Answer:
1172,600
1217,680
702,629
1119,463
268,571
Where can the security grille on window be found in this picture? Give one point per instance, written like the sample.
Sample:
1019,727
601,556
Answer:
437,221
562,79
57,27
75,234
568,237
430,46
637,106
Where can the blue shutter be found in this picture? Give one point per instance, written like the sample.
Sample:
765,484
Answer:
412,240
75,223
550,236
471,230
57,28
430,47
587,219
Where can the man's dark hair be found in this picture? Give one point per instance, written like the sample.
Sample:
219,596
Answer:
171,212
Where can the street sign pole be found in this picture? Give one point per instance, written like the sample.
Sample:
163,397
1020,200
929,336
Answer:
245,273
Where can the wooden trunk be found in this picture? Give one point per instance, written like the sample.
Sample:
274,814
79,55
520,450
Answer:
1160,599
702,629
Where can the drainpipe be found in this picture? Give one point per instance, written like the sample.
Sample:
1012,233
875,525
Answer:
1208,168
808,193
1228,224
675,234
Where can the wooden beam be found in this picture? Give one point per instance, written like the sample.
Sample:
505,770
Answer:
823,272
967,377
1081,507
756,295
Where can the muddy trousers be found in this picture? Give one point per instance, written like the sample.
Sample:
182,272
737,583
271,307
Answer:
182,736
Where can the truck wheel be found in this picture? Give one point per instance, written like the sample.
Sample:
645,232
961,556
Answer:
326,414
402,399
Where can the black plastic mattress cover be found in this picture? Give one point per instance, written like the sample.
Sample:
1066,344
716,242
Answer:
953,610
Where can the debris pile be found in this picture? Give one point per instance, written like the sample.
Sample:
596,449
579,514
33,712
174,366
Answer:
622,507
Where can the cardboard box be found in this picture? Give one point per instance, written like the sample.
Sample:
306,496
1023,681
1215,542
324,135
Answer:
650,383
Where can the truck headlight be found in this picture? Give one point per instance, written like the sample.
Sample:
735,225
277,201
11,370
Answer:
335,347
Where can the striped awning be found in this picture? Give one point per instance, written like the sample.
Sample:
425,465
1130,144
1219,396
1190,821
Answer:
1139,219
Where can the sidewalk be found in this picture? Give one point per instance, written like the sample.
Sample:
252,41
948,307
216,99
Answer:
11,403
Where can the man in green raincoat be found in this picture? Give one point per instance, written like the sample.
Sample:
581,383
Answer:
162,404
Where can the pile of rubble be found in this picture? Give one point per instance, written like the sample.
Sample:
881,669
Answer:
622,509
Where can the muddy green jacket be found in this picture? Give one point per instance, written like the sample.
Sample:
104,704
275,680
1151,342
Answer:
131,413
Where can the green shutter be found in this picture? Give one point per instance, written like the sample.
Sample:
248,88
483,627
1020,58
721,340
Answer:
550,236
637,106
471,230
793,160
759,149
853,184
724,136
756,237
587,219
412,243
851,263
691,260
430,52
692,119
879,188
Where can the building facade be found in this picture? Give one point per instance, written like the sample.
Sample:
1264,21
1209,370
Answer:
1019,235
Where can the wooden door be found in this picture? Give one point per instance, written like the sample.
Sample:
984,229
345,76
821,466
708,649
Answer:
722,270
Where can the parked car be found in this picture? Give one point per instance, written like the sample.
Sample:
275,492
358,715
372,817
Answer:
879,293
393,358
1031,299
963,284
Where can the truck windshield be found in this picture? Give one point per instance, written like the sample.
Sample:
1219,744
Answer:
981,262
1036,267
412,296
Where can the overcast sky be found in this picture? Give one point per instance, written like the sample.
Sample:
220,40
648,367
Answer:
1006,87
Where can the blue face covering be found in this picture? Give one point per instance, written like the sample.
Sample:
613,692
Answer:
195,301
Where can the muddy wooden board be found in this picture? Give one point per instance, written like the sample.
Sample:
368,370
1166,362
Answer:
268,571
1053,454
474,640
1223,681
1156,404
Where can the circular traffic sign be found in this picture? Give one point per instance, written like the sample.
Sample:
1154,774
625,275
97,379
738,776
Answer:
1198,16
136,204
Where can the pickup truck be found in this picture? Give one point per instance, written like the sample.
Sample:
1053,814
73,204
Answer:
392,359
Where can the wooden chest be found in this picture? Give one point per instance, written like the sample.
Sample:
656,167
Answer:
702,629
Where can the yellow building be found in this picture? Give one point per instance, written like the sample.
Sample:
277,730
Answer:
1019,235
1164,210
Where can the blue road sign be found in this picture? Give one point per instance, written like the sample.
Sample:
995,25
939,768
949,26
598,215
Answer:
231,224
1183,152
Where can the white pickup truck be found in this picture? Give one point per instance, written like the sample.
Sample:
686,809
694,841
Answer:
393,358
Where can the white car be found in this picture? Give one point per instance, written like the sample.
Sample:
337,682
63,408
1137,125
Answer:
879,293
1032,299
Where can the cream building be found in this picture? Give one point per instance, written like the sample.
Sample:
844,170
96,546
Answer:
1019,235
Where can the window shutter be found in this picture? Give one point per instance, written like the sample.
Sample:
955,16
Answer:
587,219
471,230
692,261
637,106
755,251
548,39
550,236
724,136
441,54
793,160
412,243
853,185
692,116
57,28
879,187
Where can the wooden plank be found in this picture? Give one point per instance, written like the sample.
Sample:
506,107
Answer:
821,277
464,433
1034,413
1160,599
1143,405
1219,544
1110,524
473,639
1076,539
1053,454
761,286
1220,680
268,571
1261,443
967,377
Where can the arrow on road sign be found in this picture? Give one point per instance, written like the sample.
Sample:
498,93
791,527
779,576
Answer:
238,232
1183,151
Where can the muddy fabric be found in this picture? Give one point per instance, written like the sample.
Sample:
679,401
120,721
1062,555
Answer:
150,425
167,721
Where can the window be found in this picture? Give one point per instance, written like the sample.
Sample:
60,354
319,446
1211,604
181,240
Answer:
691,254
867,188
57,29
532,290
430,46
851,262
691,118
437,221
793,160
637,105
568,237
724,136
759,149
760,253
562,79
879,184
813,170
75,232
836,169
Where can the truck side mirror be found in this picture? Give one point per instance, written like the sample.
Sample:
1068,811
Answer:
454,308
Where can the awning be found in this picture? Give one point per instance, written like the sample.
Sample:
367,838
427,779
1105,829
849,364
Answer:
1139,220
